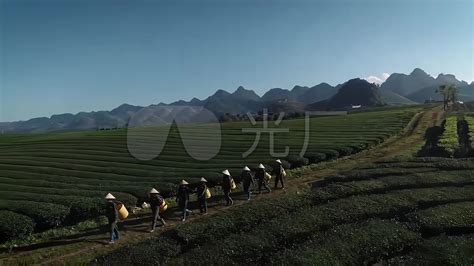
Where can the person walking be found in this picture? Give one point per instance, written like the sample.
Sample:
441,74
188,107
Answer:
227,186
279,174
201,195
112,214
156,200
182,198
247,181
260,176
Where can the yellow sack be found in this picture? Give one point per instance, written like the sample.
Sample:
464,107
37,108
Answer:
232,184
163,206
123,212
208,193
268,177
283,173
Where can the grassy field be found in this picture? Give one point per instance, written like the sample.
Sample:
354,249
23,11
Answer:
415,210
50,180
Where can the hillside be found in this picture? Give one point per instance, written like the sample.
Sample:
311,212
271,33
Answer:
305,95
417,211
352,93
418,86
466,93
381,206
82,246
68,173
392,98
405,84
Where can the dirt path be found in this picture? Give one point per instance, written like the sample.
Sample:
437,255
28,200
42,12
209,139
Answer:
84,247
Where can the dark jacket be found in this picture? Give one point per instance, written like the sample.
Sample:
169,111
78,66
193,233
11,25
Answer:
260,175
247,178
226,185
183,194
279,171
111,211
155,201
201,190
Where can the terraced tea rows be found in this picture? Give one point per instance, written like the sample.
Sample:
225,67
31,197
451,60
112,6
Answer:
449,139
470,122
55,179
452,139
390,211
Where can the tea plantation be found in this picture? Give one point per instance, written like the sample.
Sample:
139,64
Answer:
449,139
452,139
49,180
401,211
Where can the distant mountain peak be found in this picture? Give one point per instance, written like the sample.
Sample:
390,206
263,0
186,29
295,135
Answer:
240,88
356,82
406,84
323,84
450,79
221,93
298,87
122,106
441,75
124,109
244,94
352,93
418,71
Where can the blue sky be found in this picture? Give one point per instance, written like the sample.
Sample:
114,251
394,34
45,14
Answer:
84,55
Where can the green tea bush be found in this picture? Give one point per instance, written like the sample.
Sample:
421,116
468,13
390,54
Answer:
330,154
297,161
14,225
85,208
358,147
455,217
352,244
264,229
441,250
449,140
385,184
315,157
45,215
345,151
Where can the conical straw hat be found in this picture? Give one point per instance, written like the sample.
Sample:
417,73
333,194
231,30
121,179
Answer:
203,179
261,166
109,196
226,172
183,182
278,161
246,168
154,191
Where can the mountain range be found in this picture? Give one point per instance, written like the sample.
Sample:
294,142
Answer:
398,89
418,86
